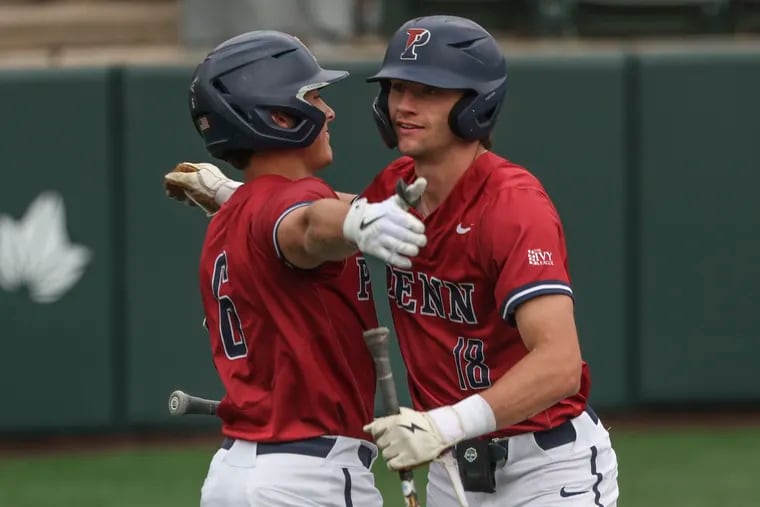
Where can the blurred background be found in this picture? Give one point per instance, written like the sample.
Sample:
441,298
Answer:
641,117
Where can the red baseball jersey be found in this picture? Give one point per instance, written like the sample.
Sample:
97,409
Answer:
286,342
494,243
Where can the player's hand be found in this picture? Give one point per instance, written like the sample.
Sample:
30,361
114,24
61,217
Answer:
386,229
197,184
408,439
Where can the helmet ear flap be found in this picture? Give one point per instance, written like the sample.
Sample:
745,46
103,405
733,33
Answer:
459,113
474,115
381,115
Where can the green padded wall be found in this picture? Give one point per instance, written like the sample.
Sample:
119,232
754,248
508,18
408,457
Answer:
564,121
56,356
700,218
167,348
650,159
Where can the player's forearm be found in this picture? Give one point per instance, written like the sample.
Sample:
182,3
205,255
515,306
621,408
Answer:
542,378
323,237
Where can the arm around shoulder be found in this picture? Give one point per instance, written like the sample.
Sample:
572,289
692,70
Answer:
333,229
313,234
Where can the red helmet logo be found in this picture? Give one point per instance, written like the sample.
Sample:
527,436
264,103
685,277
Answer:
416,37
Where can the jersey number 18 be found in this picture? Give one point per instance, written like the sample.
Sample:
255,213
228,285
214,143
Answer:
472,370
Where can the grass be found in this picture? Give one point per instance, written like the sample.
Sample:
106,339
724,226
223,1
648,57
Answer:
689,468
674,468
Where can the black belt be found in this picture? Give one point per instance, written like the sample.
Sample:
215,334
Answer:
318,447
562,434
546,439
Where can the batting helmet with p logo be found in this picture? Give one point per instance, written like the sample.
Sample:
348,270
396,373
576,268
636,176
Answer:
446,52
416,37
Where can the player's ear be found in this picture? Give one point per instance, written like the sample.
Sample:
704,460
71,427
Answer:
282,120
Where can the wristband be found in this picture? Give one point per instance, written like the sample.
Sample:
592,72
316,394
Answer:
469,418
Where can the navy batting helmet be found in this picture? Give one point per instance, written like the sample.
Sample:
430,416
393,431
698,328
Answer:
238,85
446,52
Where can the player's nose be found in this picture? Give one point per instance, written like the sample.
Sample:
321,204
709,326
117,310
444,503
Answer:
406,102
329,113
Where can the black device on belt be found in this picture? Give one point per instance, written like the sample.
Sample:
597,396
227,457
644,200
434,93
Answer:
478,458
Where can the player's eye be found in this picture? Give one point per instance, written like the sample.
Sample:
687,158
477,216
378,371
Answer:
397,87
312,96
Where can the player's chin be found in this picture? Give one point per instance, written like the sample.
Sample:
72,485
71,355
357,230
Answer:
324,158
409,148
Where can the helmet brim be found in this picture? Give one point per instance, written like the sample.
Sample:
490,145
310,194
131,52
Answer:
330,76
432,76
320,80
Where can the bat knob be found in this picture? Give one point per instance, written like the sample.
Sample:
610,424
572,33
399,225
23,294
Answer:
177,403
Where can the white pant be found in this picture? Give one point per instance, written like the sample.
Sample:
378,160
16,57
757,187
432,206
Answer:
578,474
239,478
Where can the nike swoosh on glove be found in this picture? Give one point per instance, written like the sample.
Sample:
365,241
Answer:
387,230
408,439
202,183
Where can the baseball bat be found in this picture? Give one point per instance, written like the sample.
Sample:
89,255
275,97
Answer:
377,343
181,403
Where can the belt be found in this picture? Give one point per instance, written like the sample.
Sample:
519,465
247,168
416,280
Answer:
318,447
546,439
562,434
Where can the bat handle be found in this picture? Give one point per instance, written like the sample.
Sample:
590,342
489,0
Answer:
377,342
408,489
403,192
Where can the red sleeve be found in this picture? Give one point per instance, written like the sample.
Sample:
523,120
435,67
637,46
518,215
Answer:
284,199
524,248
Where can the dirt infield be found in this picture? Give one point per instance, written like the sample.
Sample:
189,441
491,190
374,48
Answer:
45,444
745,416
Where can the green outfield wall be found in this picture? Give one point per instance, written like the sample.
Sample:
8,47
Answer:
650,158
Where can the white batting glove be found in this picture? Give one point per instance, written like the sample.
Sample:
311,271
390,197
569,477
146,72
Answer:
408,439
413,438
202,184
386,229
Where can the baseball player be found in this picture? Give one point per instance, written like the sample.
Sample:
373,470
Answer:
281,283
484,316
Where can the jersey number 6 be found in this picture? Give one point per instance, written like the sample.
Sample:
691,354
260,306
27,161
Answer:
230,328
